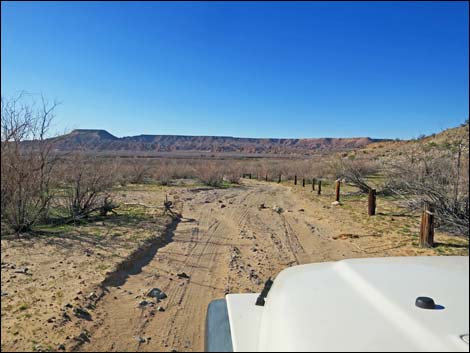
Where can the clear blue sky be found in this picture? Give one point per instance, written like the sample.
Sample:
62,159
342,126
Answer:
266,69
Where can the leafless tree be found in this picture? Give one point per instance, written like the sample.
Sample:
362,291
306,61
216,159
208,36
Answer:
27,164
86,182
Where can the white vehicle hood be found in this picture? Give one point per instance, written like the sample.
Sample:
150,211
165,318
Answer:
358,305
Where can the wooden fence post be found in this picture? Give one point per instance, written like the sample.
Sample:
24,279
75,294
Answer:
295,179
319,187
303,182
371,202
313,184
279,178
426,236
337,189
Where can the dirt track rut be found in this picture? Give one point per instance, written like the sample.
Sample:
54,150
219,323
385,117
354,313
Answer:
226,243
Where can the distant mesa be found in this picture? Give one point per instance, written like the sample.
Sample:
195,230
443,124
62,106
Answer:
102,134
102,141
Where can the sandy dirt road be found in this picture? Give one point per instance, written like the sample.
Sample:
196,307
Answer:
225,243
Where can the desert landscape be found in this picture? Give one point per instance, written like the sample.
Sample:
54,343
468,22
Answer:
180,231
160,157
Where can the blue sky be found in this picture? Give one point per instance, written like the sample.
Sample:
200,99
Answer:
267,69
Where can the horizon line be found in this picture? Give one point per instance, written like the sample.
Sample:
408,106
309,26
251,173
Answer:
235,137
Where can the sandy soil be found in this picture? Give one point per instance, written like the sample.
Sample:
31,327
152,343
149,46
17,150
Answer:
64,265
225,242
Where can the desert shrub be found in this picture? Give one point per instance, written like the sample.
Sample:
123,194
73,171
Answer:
356,171
27,164
86,181
210,174
138,171
288,168
439,176
132,170
231,172
215,170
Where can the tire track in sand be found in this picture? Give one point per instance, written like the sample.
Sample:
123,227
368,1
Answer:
232,248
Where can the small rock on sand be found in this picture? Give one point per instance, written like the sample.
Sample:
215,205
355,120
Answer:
66,317
143,303
156,293
139,339
22,270
38,348
92,296
82,337
81,313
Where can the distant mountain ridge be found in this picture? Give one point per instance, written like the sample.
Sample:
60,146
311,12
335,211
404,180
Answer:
103,141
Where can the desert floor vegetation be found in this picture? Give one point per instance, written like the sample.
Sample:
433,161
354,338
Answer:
85,236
